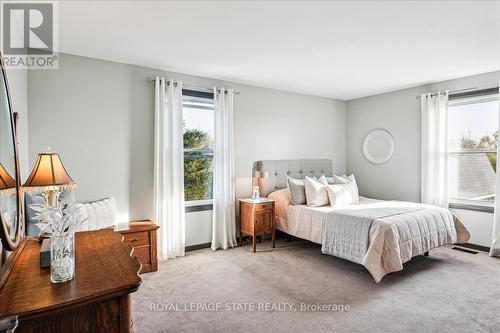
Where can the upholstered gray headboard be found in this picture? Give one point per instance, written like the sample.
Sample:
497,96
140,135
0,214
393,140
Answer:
279,170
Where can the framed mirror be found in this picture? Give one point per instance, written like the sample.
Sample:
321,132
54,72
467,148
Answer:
379,146
10,202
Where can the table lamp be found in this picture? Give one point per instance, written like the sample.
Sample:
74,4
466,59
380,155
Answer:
257,176
49,177
7,183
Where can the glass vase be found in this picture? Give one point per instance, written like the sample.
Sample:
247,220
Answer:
62,258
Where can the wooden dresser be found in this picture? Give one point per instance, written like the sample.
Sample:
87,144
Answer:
142,236
96,300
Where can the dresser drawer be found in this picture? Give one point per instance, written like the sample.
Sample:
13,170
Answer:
142,253
137,238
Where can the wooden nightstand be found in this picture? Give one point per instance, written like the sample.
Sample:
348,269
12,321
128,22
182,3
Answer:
142,236
256,218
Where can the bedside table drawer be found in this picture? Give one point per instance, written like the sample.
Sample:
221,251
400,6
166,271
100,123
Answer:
137,238
263,207
263,220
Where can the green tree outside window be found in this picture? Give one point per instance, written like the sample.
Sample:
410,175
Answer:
198,159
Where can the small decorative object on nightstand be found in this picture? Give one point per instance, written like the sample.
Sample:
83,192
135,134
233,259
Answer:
257,176
256,218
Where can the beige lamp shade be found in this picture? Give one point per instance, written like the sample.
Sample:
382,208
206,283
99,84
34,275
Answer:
6,180
48,174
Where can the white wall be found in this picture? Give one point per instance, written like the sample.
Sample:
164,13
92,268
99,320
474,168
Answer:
399,113
99,116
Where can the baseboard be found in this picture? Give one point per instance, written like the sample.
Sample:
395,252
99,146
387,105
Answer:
475,247
197,247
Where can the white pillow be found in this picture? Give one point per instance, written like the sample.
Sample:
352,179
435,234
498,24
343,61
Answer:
98,214
323,180
341,179
343,194
83,217
316,194
297,190
109,212
330,180
348,180
92,222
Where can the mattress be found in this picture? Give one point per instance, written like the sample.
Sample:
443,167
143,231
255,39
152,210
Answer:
392,241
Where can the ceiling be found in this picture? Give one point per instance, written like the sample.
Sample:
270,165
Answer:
337,49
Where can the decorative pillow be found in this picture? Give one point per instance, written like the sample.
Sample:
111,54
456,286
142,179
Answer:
348,180
83,217
316,194
323,180
297,189
283,199
92,222
330,180
96,215
343,194
283,196
340,179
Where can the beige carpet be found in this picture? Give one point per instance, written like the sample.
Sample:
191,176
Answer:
450,291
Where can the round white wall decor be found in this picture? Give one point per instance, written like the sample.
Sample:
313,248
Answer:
379,146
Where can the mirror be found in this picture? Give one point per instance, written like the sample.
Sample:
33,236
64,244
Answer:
378,146
10,227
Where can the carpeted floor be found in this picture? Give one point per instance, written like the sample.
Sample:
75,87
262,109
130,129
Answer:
235,290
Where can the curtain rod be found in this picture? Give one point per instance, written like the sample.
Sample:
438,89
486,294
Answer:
189,87
466,90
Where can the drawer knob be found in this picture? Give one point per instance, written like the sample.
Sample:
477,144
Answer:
133,240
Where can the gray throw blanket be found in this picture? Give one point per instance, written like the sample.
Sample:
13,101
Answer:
346,232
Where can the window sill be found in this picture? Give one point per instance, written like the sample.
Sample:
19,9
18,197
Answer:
198,205
485,208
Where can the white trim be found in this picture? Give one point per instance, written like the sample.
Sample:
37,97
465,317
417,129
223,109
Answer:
473,100
199,202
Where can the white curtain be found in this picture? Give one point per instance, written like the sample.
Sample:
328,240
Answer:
169,169
434,149
495,246
224,222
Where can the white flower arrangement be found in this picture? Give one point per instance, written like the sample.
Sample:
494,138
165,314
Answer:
61,220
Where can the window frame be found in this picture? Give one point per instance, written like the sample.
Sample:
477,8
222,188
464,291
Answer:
467,98
204,204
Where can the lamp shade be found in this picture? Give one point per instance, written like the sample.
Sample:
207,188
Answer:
261,174
6,180
48,173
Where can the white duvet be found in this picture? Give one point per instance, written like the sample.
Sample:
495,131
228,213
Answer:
393,240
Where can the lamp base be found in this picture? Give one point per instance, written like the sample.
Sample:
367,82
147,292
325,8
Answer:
52,197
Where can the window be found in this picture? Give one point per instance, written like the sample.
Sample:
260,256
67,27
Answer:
472,141
198,118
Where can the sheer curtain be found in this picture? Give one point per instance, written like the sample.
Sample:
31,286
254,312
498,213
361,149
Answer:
434,149
495,246
169,169
224,222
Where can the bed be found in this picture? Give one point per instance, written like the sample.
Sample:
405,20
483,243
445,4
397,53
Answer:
380,235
